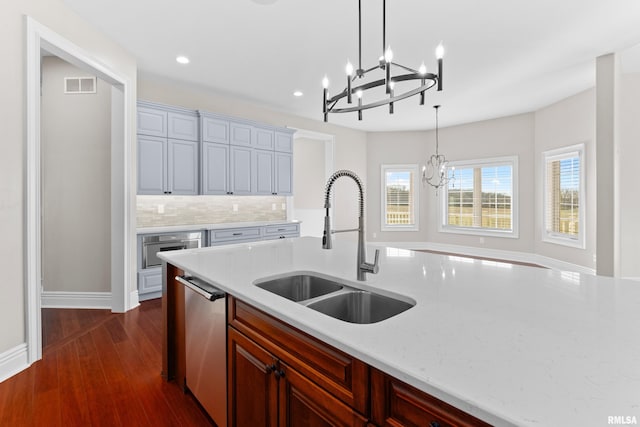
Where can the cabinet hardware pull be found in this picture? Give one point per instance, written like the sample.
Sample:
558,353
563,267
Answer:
434,424
270,368
237,234
279,374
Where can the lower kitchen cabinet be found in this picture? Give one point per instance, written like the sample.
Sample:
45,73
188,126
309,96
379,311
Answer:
394,403
280,376
149,283
253,387
265,391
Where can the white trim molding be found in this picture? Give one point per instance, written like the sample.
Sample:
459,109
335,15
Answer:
490,253
64,299
38,38
443,198
557,237
414,190
13,361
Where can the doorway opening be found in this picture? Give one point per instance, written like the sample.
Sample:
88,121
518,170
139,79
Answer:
121,198
313,164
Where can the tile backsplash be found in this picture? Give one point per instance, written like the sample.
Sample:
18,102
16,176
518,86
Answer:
157,211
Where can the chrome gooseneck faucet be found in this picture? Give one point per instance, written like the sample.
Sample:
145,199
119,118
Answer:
362,266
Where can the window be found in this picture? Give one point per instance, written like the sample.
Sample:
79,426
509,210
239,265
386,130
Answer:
399,197
481,197
564,196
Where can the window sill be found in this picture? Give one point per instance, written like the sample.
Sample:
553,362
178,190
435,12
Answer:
563,241
400,228
483,232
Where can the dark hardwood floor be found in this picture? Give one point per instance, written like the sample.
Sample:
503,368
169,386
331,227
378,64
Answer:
98,369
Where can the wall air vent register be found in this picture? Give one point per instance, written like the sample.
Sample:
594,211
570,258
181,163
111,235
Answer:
76,85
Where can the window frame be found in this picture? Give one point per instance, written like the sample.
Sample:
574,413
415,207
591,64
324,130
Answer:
514,233
560,154
413,168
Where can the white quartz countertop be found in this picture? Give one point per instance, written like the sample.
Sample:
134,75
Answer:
195,227
509,344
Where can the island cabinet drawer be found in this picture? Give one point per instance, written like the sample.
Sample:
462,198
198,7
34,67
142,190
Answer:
230,235
343,376
394,403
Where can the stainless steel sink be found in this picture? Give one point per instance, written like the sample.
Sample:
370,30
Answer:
300,287
362,307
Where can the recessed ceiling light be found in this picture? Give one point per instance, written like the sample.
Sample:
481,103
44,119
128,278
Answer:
297,93
181,59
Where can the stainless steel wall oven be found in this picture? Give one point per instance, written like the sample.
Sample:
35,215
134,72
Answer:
154,243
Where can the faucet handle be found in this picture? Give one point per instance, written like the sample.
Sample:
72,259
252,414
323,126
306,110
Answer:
367,267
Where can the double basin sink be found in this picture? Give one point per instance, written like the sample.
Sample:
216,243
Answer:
336,299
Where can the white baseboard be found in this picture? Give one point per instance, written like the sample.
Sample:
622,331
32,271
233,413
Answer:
134,299
61,299
491,253
13,361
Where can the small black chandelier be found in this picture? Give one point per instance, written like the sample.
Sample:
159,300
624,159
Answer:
343,101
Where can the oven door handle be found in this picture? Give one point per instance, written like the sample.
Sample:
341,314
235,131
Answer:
201,288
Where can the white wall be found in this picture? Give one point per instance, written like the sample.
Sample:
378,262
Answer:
55,15
350,145
309,165
628,158
76,178
568,122
506,136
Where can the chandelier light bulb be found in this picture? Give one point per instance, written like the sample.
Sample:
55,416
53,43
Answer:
325,82
388,55
359,94
391,84
349,68
440,51
423,69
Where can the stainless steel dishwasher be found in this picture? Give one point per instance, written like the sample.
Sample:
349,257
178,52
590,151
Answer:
206,346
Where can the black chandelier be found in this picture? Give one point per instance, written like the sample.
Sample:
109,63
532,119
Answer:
342,102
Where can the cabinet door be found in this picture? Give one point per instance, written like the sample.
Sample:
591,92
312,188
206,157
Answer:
182,126
303,403
149,280
183,167
253,387
240,134
152,161
283,174
215,130
215,168
284,142
394,403
263,161
152,122
241,170
263,138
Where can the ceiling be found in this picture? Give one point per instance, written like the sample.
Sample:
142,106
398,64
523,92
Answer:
502,57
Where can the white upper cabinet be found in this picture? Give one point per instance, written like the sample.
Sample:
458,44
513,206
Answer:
263,160
215,130
240,134
195,152
263,138
152,122
183,126
284,142
168,150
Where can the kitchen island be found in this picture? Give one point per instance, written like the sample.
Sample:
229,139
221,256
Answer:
507,344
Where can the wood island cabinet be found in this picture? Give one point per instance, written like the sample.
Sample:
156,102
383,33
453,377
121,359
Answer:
280,376
394,403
